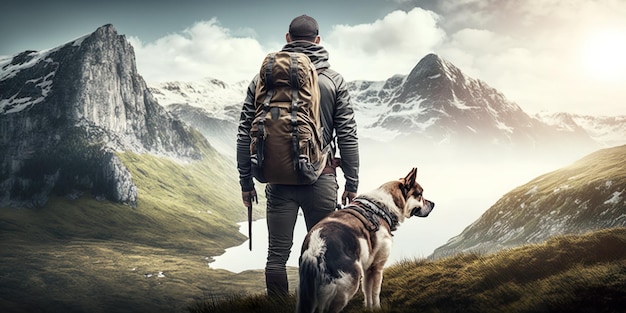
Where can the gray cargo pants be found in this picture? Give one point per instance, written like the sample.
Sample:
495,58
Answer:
283,202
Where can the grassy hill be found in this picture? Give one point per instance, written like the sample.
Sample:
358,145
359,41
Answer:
584,196
576,273
86,255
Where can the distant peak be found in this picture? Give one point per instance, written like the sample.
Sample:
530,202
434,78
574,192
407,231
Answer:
108,27
434,61
106,30
431,66
431,57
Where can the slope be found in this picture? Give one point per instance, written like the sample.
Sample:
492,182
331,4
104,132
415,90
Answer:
108,203
587,195
65,111
89,255
576,273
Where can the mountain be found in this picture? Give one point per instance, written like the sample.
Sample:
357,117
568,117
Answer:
221,133
435,104
585,196
64,112
213,95
607,130
78,127
209,105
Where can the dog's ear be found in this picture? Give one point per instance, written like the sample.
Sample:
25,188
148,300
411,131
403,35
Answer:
409,180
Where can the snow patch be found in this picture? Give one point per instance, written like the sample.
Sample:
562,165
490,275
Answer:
459,104
16,103
209,94
79,41
504,127
615,198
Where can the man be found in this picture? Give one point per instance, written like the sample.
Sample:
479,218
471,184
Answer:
316,200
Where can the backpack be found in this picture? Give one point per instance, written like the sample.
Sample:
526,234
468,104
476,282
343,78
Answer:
286,142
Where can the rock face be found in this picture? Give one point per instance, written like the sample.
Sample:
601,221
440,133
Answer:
437,103
220,132
209,105
588,195
64,112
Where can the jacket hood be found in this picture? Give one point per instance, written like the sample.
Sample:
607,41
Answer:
315,52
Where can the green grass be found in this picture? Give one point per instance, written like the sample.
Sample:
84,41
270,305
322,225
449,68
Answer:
86,255
585,273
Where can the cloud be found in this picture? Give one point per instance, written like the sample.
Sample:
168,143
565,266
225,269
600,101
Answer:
530,52
206,49
375,51
388,46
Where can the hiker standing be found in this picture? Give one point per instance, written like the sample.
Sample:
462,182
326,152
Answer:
319,198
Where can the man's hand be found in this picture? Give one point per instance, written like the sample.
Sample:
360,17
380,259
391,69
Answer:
347,197
248,197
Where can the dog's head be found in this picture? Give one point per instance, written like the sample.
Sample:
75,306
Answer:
414,202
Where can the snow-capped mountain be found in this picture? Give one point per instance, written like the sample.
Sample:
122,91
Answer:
210,105
607,130
214,96
65,111
436,103
584,196
220,132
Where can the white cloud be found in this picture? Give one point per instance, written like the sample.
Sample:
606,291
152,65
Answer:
531,53
204,50
375,51
531,50
388,46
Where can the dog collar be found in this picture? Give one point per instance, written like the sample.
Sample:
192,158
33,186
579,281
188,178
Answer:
380,210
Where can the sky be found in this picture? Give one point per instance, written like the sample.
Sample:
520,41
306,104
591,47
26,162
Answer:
545,55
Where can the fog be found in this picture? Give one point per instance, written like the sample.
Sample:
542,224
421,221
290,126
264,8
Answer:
462,185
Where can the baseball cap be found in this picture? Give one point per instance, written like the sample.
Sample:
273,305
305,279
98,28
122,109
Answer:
303,26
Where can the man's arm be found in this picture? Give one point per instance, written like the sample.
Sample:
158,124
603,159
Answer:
347,140
243,140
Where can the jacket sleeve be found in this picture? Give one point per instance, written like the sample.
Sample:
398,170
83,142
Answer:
346,130
243,138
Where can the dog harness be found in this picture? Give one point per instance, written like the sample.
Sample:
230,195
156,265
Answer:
369,211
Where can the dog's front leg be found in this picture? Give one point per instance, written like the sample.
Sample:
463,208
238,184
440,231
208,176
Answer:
372,280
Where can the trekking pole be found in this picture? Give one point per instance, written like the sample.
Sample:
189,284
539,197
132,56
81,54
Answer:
250,224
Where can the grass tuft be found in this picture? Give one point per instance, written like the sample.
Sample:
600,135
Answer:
582,273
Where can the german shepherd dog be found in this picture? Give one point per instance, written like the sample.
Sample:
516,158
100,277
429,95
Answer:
352,244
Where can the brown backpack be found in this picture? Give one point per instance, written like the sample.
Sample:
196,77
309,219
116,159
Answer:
286,143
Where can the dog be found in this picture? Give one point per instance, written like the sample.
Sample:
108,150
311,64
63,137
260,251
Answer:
352,244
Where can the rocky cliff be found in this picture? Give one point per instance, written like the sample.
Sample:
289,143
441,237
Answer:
66,111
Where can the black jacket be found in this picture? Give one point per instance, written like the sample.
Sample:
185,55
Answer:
337,116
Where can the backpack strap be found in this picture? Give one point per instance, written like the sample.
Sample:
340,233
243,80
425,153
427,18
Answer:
295,88
269,85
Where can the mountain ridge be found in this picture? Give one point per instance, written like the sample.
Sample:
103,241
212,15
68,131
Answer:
435,103
584,196
65,111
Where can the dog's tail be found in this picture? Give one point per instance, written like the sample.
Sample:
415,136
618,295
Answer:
310,278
